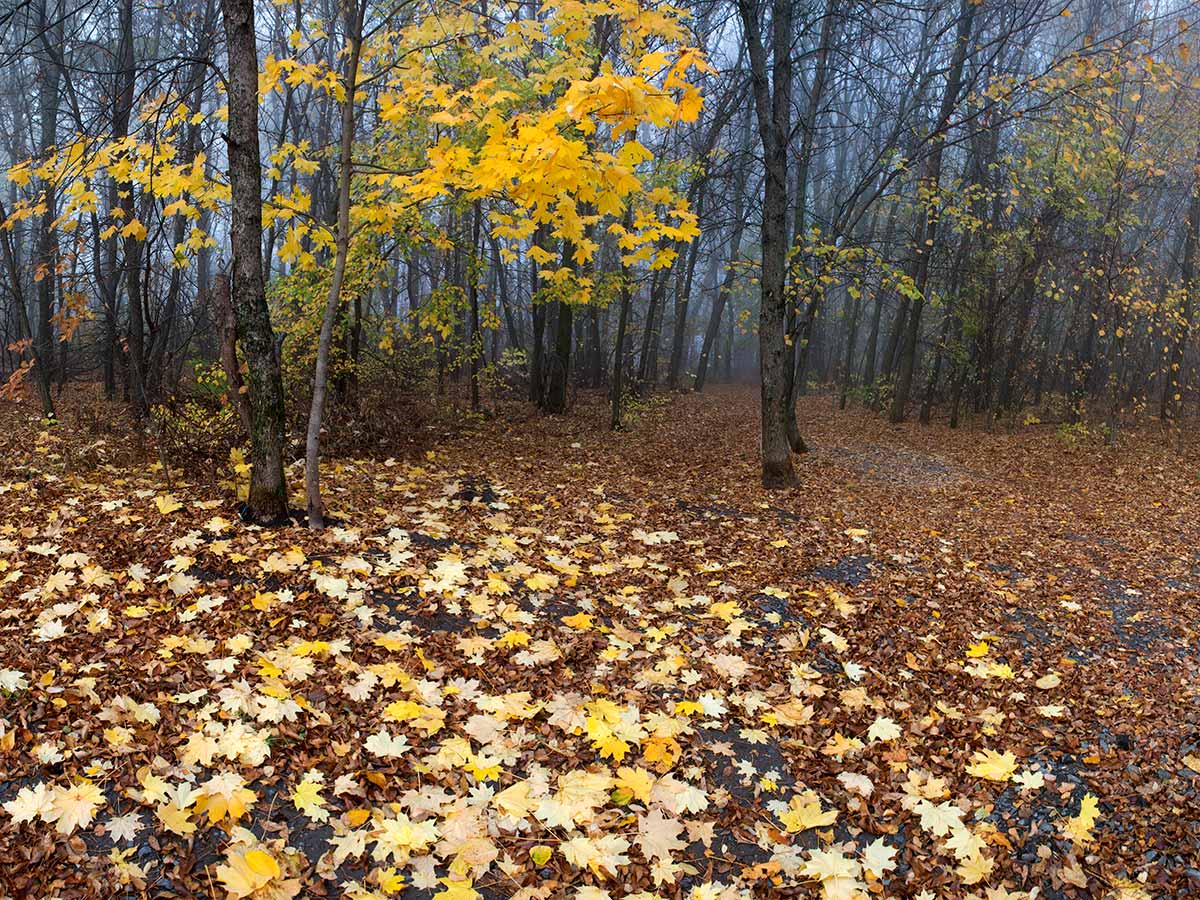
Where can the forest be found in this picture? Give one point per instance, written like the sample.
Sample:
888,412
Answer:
599,449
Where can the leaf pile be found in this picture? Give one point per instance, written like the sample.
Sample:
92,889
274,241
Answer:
548,661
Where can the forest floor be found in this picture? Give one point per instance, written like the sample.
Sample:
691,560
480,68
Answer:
544,660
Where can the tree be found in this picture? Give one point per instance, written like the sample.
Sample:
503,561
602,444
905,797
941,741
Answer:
771,81
312,444
926,230
267,499
45,258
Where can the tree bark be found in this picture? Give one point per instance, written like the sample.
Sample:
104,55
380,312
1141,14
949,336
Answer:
927,220
772,102
268,492
618,370
872,348
800,328
156,359
312,442
851,341
711,333
476,347
1040,236
560,360
1170,402
679,328
44,262
537,361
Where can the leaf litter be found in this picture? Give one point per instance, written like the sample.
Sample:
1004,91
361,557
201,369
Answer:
543,660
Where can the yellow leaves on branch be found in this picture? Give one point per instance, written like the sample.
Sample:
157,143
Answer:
134,229
530,117
277,74
539,122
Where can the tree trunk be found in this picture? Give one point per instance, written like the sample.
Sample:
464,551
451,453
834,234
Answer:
926,219
714,320
1041,234
559,369
1171,393
595,348
800,328
935,373
648,363
537,342
226,322
950,320
868,377
510,324
44,261
268,491
772,101
157,357
312,442
958,372
851,340
618,370
679,332
476,348
24,327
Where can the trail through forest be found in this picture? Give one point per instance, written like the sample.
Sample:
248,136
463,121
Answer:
539,659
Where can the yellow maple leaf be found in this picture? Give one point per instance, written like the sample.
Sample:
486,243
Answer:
726,610
175,818
135,230
515,801
224,795
483,767
661,752
804,812
1003,671
245,871
992,765
977,650
975,868
390,881
307,799
541,581
74,807
839,745
167,504
581,621
605,741
636,782
1079,827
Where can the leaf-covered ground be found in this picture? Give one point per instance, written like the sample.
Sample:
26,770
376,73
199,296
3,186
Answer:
543,660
